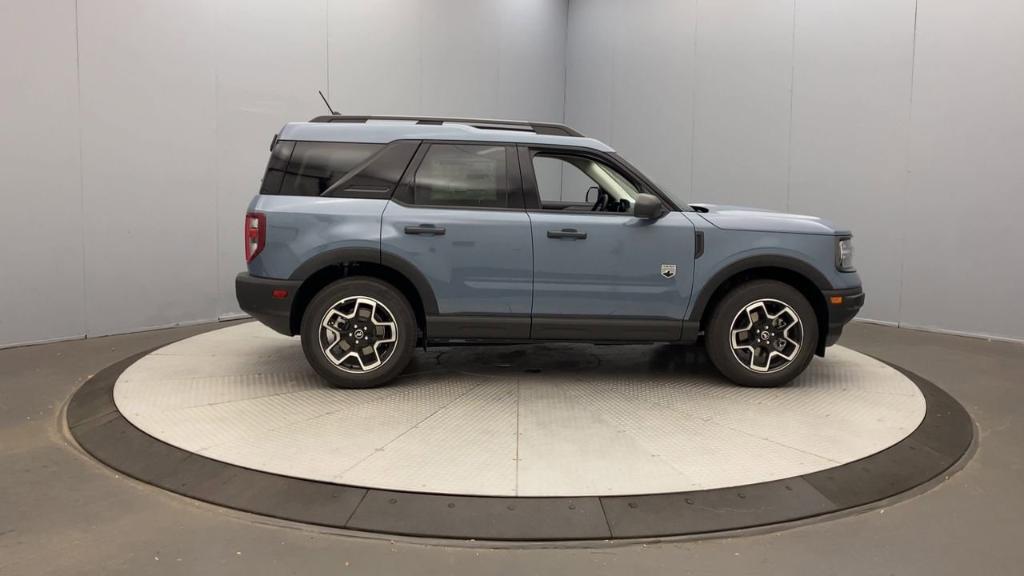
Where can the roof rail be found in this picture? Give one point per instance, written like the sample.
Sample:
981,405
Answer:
548,128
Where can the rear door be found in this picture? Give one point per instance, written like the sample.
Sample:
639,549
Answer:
458,216
599,272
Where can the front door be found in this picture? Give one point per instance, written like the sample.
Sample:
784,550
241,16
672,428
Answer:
599,273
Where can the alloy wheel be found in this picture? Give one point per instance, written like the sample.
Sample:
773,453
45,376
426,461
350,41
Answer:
766,335
358,334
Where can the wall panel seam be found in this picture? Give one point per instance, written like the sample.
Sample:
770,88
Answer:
906,166
81,174
218,184
792,90
693,103
565,62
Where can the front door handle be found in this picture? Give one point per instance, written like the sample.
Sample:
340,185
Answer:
570,233
425,230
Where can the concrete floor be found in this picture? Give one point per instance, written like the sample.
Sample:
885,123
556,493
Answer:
62,513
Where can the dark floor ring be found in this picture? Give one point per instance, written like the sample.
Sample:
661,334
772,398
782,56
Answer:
939,442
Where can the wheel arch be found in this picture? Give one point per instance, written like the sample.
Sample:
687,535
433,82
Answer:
333,265
802,276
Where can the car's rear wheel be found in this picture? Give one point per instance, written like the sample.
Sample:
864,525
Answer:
358,332
762,333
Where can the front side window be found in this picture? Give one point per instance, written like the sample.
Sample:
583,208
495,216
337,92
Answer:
315,166
462,175
580,183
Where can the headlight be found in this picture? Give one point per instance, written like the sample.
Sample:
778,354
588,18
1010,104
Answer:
844,254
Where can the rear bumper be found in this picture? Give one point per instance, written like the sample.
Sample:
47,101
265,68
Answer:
268,300
842,305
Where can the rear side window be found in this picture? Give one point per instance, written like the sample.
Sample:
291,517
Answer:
276,167
462,175
314,166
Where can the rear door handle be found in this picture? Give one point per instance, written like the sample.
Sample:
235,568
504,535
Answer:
570,233
425,230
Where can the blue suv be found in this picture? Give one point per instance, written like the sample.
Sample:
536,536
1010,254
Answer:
372,235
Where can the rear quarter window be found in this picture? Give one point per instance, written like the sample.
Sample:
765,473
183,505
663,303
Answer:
310,168
276,166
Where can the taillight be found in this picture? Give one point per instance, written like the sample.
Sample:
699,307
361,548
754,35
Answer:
255,234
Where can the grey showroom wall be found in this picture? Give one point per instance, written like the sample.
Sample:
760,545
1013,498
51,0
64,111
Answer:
134,133
901,119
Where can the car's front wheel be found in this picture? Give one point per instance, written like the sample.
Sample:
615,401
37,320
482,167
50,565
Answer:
763,333
358,332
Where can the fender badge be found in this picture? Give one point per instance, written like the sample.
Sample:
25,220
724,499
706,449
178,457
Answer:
668,270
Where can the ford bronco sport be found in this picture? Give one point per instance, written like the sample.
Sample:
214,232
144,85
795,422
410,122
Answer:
372,235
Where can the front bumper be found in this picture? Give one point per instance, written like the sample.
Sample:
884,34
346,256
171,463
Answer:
268,300
842,306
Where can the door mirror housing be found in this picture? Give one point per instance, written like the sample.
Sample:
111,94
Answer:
648,206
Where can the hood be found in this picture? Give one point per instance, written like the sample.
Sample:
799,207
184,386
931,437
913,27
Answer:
760,220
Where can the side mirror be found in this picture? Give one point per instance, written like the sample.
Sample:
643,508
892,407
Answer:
648,206
595,191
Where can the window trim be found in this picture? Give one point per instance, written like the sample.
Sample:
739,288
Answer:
404,192
531,192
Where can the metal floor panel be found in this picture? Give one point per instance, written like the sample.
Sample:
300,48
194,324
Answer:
542,420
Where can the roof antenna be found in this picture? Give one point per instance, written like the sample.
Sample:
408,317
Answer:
329,109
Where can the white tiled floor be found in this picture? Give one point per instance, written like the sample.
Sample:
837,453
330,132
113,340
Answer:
484,421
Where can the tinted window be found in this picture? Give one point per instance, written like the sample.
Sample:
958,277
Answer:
377,177
315,166
462,175
276,167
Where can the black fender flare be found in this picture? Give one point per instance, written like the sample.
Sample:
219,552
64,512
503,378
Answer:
340,256
787,263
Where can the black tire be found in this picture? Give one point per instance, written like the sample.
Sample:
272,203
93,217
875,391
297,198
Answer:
314,339
717,338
